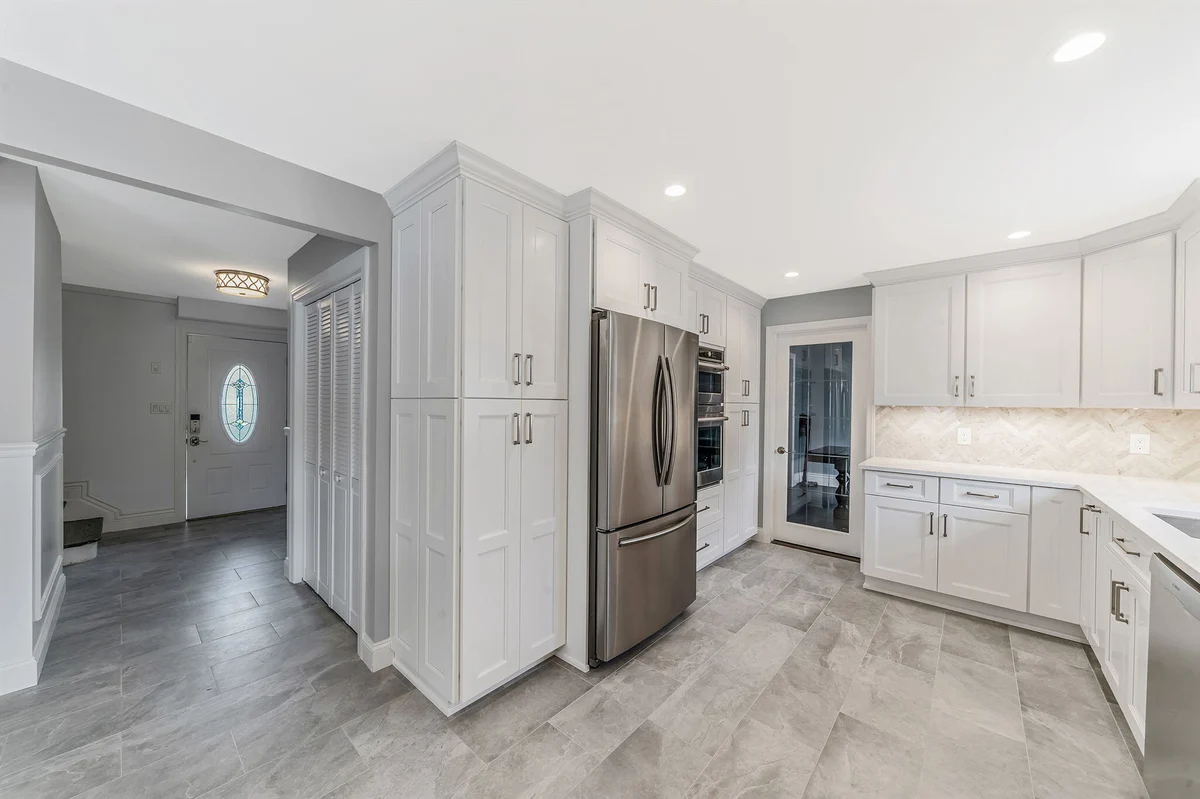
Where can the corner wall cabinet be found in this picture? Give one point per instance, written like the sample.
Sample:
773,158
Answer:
479,442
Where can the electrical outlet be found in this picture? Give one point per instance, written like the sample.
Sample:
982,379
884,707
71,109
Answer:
156,367
1139,443
964,436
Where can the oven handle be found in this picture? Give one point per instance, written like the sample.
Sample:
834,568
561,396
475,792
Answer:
712,419
713,366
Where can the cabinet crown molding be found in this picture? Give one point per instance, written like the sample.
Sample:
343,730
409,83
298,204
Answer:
459,159
1187,204
590,201
722,283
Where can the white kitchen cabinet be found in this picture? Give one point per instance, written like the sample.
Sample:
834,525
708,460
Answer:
1129,326
1091,519
743,348
984,555
710,311
544,305
1138,611
901,541
1187,315
1023,336
405,527
1055,553
695,323
741,474
920,339
1114,623
633,276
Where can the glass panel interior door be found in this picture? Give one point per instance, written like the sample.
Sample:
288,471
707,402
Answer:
819,446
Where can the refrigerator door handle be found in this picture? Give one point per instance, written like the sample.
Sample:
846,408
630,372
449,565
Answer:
671,402
657,423
624,542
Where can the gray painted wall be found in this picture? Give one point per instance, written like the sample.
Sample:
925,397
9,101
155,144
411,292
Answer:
17,225
820,306
320,253
48,120
47,319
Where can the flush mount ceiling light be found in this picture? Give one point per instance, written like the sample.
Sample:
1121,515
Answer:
791,274
1018,234
242,284
675,190
1078,47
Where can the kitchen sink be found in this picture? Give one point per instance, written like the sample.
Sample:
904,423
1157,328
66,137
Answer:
1187,525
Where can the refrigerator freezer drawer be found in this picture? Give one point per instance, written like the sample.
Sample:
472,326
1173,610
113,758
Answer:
645,576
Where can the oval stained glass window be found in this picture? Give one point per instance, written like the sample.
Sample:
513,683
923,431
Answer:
239,404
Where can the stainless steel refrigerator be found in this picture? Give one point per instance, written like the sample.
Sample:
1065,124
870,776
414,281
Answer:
643,510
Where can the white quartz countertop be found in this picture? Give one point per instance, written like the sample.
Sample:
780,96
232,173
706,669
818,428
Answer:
1133,500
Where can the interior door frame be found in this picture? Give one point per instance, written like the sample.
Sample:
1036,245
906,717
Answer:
772,409
350,269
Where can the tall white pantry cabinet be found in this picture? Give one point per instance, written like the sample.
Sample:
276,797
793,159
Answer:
478,427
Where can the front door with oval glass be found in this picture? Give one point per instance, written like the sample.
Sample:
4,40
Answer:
234,425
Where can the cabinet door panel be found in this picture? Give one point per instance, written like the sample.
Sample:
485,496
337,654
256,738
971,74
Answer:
920,336
1055,554
1128,325
437,648
984,555
751,353
732,443
1139,619
668,298
692,304
622,271
406,306
491,543
543,529
900,543
405,493
1115,624
737,325
748,507
748,417
440,281
1187,313
544,306
492,254
1023,336
711,303
733,514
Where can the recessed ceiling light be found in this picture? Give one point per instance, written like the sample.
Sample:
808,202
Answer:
675,190
1018,234
1078,47
791,274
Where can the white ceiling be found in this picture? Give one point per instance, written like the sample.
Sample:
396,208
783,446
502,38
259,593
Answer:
129,239
826,137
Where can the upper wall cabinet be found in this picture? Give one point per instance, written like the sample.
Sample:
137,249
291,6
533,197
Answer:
638,278
743,349
920,336
508,263
1023,336
1128,325
710,314
1187,312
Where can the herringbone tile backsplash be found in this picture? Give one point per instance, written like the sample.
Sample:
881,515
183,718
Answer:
1071,439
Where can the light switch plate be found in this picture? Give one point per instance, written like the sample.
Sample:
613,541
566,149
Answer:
964,435
160,407
1139,443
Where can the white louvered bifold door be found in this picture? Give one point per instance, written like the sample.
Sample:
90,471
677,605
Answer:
357,453
325,448
312,426
342,413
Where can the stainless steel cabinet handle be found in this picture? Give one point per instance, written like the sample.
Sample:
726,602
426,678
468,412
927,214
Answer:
931,515
1120,542
945,525
707,544
516,368
516,429
983,496
1114,599
971,391
654,305
529,428
624,542
706,507
1158,373
1082,510
529,370
646,307
956,379
898,485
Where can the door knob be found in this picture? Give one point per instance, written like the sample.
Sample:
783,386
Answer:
781,450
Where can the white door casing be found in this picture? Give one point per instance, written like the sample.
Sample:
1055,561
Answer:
224,475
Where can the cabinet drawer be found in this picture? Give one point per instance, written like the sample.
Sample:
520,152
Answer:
1129,546
708,544
905,486
978,494
710,506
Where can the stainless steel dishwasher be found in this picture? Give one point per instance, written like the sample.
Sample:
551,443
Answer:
1172,766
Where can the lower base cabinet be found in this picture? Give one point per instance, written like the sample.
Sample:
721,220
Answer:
1123,634
901,543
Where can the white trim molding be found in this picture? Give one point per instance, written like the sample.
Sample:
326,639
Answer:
590,201
1185,206
50,473
376,655
459,159
115,520
722,283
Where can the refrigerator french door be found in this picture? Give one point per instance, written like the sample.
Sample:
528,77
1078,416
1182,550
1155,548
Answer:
643,415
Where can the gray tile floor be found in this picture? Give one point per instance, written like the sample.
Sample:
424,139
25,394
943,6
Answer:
185,665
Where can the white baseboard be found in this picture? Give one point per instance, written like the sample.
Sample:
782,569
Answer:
1026,621
375,655
50,619
573,662
80,504
444,706
19,675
